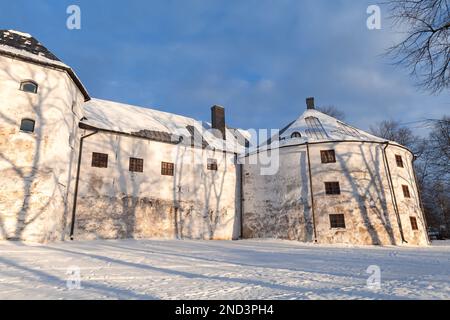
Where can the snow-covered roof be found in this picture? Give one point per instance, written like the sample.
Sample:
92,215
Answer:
151,123
314,126
23,45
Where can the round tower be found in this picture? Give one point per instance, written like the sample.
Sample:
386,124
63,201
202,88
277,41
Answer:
334,184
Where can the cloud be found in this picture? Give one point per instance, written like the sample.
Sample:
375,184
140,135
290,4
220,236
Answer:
258,58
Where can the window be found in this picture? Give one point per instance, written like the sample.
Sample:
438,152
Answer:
414,225
99,160
399,161
212,164
328,156
406,191
136,165
337,221
27,125
29,86
296,135
332,188
167,168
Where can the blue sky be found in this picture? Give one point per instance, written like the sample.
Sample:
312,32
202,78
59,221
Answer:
258,58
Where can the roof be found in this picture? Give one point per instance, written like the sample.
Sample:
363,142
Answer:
314,126
157,125
25,47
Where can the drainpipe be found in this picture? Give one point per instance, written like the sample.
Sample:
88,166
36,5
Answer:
394,198
312,194
419,195
77,179
241,198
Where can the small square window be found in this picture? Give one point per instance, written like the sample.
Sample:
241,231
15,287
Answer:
337,221
328,156
332,188
414,225
99,160
167,168
27,125
136,165
406,191
212,164
399,161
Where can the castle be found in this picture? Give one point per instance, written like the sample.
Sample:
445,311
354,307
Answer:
74,167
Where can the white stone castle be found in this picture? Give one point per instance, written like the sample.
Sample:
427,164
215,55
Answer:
73,167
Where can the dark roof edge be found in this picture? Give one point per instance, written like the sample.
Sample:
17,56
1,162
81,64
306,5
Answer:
67,69
85,126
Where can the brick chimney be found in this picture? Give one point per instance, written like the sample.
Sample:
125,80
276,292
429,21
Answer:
310,103
218,120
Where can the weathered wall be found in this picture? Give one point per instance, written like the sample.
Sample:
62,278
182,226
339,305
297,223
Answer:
408,207
279,206
35,169
115,203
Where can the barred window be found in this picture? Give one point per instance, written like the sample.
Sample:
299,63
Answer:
29,86
99,160
414,225
399,161
337,221
212,164
167,168
136,165
328,156
332,188
27,125
406,191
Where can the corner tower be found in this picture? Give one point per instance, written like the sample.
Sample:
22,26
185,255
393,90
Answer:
40,107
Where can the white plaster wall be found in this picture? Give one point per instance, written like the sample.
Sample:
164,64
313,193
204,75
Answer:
116,203
35,168
408,207
280,205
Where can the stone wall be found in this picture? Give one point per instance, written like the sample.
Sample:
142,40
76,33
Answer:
195,203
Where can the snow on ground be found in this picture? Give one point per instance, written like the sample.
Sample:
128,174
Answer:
263,269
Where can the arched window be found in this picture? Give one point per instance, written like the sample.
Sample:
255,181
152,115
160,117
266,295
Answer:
27,125
29,86
296,135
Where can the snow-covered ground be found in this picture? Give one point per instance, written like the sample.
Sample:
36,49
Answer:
265,269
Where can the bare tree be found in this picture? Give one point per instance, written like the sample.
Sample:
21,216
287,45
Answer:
393,131
439,143
433,171
332,111
426,49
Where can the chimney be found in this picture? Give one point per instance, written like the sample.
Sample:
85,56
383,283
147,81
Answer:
310,103
218,120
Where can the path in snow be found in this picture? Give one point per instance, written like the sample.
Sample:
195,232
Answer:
152,269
